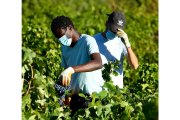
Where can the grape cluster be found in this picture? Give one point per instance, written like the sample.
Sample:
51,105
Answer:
61,92
61,89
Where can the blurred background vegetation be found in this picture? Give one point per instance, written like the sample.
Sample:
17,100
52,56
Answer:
41,52
89,17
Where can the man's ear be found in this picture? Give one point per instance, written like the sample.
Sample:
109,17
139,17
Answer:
57,33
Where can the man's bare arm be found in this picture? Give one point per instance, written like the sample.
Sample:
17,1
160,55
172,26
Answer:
94,64
132,59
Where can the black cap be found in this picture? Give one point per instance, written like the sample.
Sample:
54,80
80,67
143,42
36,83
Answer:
116,20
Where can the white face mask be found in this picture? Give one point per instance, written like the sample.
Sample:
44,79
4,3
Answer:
65,40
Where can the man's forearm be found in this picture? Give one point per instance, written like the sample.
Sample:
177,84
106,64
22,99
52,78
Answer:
132,58
94,64
88,67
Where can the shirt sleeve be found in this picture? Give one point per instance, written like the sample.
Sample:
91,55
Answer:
92,45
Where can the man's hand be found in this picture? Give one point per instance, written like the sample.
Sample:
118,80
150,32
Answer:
66,76
122,34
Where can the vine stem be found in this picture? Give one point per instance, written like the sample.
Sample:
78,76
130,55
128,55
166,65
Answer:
22,80
32,77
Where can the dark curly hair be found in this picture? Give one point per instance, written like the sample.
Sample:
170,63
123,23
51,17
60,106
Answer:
60,22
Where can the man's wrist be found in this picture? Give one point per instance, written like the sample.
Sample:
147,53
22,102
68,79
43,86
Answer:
71,69
128,45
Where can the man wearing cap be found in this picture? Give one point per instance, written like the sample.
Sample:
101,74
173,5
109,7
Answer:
114,45
81,60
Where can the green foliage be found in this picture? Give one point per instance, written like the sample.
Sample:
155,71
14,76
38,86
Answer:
110,67
137,100
41,58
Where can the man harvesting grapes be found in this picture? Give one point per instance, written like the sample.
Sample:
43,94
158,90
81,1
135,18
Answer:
81,60
114,45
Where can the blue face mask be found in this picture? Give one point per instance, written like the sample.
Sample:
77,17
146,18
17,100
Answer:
110,35
65,40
